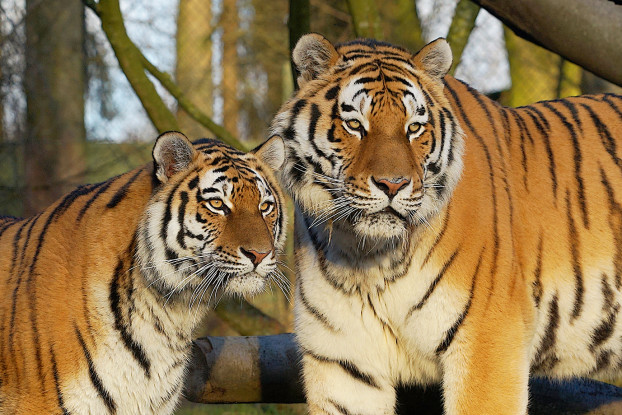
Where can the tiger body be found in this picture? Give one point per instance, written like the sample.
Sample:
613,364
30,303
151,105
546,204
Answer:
102,290
476,247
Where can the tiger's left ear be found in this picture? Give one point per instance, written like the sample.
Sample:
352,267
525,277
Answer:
435,58
172,153
271,152
313,55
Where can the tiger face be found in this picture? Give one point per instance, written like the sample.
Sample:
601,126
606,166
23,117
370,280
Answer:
371,146
217,221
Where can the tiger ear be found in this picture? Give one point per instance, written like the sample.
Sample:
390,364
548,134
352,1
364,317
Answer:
313,55
271,152
172,153
435,58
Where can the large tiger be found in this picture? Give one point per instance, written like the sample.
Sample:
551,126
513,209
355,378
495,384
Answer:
441,237
101,291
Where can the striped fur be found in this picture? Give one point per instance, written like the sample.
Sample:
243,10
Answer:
486,247
101,291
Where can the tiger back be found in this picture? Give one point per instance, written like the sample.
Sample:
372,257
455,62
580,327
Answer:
101,290
441,237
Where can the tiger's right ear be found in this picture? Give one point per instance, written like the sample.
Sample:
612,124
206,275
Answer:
313,55
172,153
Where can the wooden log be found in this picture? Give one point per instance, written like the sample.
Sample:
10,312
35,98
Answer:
267,369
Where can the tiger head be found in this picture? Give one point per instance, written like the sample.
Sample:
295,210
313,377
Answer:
216,219
371,141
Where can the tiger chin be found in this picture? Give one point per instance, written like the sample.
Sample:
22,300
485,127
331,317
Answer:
443,238
102,290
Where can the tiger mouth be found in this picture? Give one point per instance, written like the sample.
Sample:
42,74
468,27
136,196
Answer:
389,210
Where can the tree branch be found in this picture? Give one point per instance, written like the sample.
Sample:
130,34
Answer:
266,369
191,109
129,59
133,63
461,27
586,32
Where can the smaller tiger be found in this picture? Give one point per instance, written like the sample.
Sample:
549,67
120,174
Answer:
102,290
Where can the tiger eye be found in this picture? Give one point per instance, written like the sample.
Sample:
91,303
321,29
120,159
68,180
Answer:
215,203
265,206
414,127
353,124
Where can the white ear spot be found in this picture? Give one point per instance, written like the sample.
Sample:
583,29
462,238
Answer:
435,58
313,55
172,153
271,152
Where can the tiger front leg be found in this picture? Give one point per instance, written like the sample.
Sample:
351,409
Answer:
486,370
335,387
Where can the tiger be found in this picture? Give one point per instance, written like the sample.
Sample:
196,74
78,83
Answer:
441,238
101,291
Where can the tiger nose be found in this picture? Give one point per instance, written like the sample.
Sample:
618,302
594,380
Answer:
254,256
390,187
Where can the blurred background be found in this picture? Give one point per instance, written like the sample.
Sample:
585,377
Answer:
86,86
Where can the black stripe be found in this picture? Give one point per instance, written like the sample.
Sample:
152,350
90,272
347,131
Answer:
606,327
348,367
577,160
312,309
438,238
537,273
95,379
122,192
134,347
88,204
606,98
59,394
451,333
493,191
522,128
573,111
549,151
432,286
573,242
339,407
332,93
7,224
606,138
615,217
550,336
181,214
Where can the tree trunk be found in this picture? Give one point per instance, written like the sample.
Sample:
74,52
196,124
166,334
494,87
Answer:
401,24
534,72
229,22
365,18
298,23
193,72
575,29
55,86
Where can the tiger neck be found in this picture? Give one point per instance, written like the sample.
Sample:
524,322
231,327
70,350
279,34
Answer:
355,264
